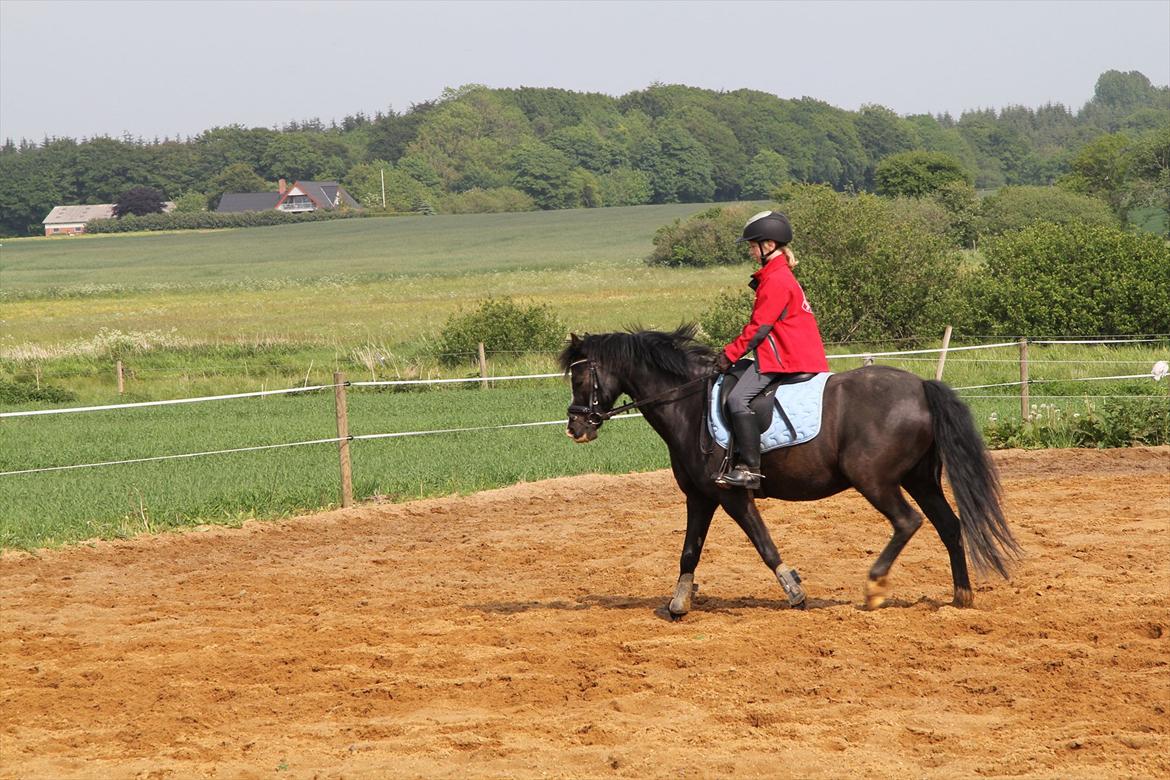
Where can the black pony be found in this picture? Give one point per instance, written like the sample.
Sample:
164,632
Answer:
882,430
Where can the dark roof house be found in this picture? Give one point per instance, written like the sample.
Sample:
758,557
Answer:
248,201
301,196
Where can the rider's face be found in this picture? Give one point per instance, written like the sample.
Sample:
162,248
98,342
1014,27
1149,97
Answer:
757,248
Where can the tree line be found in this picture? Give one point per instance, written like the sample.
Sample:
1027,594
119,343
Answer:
480,149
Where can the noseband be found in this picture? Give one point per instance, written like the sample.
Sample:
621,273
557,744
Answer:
593,413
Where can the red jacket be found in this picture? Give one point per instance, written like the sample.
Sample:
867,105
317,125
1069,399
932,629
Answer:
782,331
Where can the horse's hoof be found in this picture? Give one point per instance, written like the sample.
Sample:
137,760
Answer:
875,593
789,580
964,598
683,591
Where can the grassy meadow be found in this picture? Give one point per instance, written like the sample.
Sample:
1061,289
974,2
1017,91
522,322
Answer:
266,308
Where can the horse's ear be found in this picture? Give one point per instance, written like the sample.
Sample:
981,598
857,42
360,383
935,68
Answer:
574,340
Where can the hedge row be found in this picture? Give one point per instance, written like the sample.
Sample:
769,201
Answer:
204,220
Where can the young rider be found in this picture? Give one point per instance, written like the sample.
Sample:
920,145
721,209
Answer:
782,332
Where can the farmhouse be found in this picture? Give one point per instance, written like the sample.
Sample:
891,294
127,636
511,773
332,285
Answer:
69,220
301,196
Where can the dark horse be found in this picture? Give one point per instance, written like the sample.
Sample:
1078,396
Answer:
882,430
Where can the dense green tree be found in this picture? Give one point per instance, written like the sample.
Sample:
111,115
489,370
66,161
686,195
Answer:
723,148
680,168
1101,169
389,136
546,174
766,172
366,181
587,148
882,133
472,132
917,174
625,187
238,177
292,156
689,143
31,184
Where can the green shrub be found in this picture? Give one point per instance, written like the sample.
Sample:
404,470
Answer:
872,269
209,220
1012,208
726,316
490,201
503,326
1079,279
26,392
1123,422
707,238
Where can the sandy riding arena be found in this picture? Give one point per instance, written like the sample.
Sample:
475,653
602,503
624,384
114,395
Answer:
520,633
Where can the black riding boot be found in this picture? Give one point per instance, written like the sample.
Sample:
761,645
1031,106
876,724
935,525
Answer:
746,473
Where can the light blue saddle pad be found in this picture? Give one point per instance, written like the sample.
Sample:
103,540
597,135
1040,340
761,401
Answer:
801,402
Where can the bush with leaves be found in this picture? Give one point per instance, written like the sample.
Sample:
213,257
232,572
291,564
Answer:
704,239
1073,280
1012,208
209,220
503,326
495,200
28,392
872,269
1123,422
725,317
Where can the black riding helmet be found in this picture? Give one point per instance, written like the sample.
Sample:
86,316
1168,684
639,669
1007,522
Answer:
767,226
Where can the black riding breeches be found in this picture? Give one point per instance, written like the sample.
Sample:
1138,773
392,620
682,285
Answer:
751,384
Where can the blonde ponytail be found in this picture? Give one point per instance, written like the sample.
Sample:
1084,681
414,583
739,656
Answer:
789,256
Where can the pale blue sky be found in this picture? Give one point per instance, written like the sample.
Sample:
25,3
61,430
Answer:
180,66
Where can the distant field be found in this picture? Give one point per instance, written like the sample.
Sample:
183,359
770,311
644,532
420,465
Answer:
386,281
369,248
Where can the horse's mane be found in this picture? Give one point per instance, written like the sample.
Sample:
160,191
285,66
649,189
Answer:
676,353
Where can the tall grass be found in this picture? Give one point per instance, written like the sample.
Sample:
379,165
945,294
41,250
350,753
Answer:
57,507
269,308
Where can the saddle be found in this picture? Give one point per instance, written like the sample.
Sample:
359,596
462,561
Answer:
788,412
763,403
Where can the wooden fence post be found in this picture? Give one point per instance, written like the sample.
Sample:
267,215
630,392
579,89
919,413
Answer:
1024,408
343,437
942,356
482,366
121,379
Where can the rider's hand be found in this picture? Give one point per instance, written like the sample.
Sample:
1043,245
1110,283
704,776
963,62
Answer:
723,364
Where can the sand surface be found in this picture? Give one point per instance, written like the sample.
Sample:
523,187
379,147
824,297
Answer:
520,633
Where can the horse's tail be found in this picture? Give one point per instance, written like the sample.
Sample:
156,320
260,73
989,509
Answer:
974,481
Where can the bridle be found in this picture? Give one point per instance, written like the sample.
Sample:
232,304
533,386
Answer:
593,413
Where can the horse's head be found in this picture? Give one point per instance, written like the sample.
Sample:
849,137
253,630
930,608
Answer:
594,390
641,363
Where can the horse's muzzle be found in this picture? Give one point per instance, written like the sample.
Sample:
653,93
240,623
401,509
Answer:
580,429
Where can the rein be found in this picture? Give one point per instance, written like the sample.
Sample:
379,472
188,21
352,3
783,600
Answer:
593,414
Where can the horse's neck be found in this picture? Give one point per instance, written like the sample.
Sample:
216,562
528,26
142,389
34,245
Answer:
674,417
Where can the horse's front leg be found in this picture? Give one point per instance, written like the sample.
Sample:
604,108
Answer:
700,509
742,507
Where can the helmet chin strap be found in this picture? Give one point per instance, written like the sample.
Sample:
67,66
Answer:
765,259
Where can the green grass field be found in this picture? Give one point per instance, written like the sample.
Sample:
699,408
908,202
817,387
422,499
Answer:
268,308
390,281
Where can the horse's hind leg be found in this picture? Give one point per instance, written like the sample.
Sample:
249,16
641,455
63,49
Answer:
927,492
888,499
700,510
742,508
